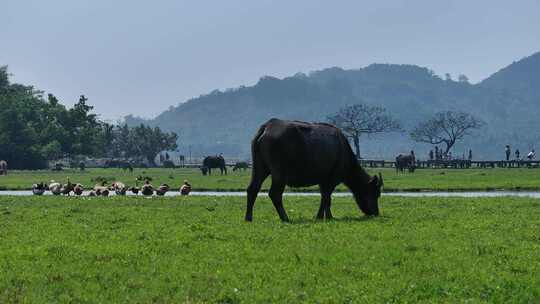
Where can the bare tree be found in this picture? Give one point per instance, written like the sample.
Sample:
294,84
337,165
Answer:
446,127
361,119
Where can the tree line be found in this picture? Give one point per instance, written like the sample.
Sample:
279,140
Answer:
446,127
35,129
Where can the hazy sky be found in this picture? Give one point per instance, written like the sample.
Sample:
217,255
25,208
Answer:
141,57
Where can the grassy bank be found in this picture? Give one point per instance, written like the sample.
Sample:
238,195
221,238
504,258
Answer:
198,249
421,180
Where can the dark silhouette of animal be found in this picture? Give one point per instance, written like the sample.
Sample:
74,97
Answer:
240,166
120,164
210,162
405,162
3,167
300,154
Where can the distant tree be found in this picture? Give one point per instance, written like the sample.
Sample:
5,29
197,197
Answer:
361,119
462,78
34,129
447,77
4,77
446,127
140,142
52,150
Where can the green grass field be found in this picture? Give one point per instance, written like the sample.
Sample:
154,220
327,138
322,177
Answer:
199,249
421,180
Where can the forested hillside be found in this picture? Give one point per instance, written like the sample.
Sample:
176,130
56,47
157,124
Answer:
224,121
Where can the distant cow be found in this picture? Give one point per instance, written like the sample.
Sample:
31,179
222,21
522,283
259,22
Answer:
240,166
210,162
405,162
120,164
3,167
300,154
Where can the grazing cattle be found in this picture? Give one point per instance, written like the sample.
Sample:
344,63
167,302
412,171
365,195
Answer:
240,166
300,154
39,189
185,189
3,167
405,162
210,162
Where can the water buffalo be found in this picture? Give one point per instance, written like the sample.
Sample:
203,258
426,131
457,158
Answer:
210,162
240,166
405,162
300,154
3,167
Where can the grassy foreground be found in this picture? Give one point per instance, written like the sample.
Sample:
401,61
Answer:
421,180
198,249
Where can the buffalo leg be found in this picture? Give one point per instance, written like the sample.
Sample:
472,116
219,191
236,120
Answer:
326,202
276,195
327,212
320,214
257,178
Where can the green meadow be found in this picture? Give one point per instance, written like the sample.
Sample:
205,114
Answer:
421,180
199,250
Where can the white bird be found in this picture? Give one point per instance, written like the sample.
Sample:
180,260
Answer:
55,188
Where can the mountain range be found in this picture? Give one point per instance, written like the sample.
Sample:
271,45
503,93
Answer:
224,121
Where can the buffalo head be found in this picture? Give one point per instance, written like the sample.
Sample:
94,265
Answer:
204,170
368,198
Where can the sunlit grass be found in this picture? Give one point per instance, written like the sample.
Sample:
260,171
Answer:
199,249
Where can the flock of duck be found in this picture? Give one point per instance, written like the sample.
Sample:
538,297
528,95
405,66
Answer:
101,189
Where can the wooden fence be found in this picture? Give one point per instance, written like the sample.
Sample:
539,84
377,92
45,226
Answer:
455,164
